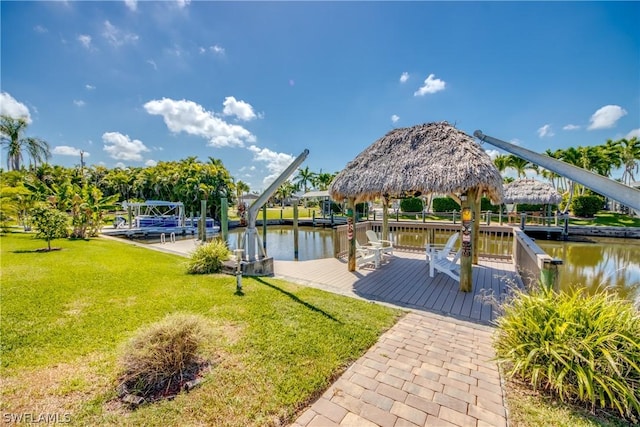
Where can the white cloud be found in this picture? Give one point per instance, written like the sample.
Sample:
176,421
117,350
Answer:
545,131
276,162
131,4
152,63
217,49
633,133
117,37
12,108
65,150
121,147
431,85
187,116
404,77
40,29
89,87
183,3
492,153
606,117
240,109
395,118
571,127
79,103
85,40
150,162
120,165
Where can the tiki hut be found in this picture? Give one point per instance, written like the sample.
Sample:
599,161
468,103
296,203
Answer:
531,191
427,158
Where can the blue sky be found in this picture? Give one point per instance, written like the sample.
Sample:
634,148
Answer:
254,83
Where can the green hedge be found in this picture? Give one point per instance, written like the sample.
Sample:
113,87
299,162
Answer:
447,204
412,204
586,206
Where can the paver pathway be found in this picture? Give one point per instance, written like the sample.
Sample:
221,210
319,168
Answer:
428,370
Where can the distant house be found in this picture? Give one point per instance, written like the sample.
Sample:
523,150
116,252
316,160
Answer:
249,198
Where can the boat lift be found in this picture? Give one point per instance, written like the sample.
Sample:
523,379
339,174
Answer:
251,239
624,194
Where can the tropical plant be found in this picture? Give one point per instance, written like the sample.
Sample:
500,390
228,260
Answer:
304,179
586,206
630,158
520,165
50,223
11,130
579,347
208,258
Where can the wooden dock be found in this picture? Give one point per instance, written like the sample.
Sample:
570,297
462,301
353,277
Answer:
404,281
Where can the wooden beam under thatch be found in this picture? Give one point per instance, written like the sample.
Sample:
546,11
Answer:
427,158
531,191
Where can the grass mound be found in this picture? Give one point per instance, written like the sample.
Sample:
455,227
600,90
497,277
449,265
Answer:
161,358
581,348
208,258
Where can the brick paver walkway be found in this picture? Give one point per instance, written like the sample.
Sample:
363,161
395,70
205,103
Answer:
428,370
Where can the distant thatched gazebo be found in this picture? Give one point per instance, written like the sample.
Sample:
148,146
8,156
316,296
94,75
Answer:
427,158
531,191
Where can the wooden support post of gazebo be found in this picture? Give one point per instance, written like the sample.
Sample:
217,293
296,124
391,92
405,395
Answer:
351,233
466,245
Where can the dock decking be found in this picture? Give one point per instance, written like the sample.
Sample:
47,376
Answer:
404,281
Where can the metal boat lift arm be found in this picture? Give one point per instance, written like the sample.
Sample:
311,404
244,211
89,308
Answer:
250,238
624,194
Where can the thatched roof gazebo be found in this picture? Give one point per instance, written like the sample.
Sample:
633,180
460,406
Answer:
427,158
531,191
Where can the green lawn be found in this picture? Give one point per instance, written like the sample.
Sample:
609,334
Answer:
610,219
65,315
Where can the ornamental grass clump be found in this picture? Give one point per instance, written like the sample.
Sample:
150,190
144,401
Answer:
579,347
161,358
208,258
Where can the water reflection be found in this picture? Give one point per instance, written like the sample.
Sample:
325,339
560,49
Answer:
602,262
313,243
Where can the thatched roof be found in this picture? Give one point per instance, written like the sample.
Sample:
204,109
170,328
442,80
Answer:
427,158
530,191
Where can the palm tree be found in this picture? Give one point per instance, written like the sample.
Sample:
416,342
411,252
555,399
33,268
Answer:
521,165
501,162
629,156
11,130
241,188
323,179
304,178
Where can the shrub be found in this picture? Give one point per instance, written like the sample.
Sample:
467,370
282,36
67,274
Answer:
586,206
50,224
208,258
584,348
160,358
412,204
486,205
445,204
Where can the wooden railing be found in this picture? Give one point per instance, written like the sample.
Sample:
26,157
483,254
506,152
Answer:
533,264
495,242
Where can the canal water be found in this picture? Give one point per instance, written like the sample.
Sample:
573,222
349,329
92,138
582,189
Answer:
594,263
597,262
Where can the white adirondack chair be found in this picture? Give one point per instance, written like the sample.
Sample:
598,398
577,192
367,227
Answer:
434,252
367,255
446,265
385,246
